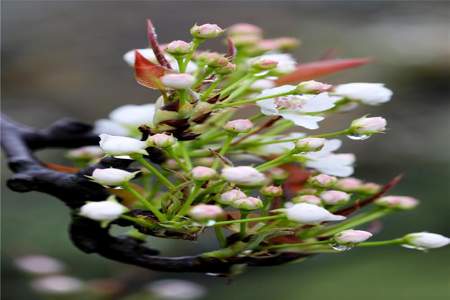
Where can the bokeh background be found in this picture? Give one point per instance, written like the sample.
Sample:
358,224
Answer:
64,58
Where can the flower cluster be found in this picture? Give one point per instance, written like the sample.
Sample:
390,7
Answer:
259,179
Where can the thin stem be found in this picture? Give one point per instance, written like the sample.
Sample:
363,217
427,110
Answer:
186,205
297,245
195,44
220,236
274,162
154,171
243,226
228,89
135,220
144,202
173,155
331,134
186,157
398,241
223,150
211,88
265,218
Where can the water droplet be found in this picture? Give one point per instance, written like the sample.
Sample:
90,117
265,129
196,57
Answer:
414,247
358,137
340,247
210,223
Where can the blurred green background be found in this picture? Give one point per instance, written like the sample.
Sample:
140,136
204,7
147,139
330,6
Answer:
64,58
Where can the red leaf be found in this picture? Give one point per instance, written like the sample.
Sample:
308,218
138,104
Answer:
152,39
148,73
320,68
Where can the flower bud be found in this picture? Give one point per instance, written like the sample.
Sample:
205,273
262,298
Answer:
310,144
132,116
204,161
244,29
307,191
203,173
245,40
313,86
107,210
278,174
323,180
248,203
239,126
334,197
400,202
287,43
306,213
311,199
262,84
243,175
349,184
367,126
179,48
178,81
121,145
171,164
85,153
231,196
111,176
272,191
206,31
204,212
161,140
213,59
263,64
226,69
352,236
426,240
370,188
368,93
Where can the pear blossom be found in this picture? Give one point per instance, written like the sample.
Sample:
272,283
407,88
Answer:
296,107
230,196
206,31
132,116
203,212
203,173
247,203
307,213
426,240
121,145
333,197
401,202
107,210
286,63
368,93
178,80
112,176
39,264
243,175
352,236
57,285
148,53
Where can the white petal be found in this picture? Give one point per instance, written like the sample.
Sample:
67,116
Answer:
109,127
309,122
133,115
321,102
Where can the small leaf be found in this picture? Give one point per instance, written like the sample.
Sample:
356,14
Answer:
148,73
320,68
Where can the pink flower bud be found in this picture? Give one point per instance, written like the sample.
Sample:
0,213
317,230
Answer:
426,240
239,126
243,175
232,195
352,236
178,81
86,153
349,184
244,29
272,191
364,125
161,140
323,180
310,144
179,47
334,197
245,40
228,68
370,188
313,86
400,202
248,203
311,199
204,212
213,59
206,31
203,173
264,64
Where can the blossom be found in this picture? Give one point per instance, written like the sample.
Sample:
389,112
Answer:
368,93
272,191
286,63
239,126
121,145
161,140
206,31
148,53
247,203
313,86
296,107
307,213
107,210
178,81
310,144
349,184
203,212
230,196
352,236
334,197
133,116
243,175
179,47
367,125
244,29
112,176
426,240
57,284
39,264
203,173
401,202
323,180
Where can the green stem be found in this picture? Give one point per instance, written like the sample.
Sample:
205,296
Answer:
331,134
195,44
144,202
173,155
297,245
154,171
220,236
223,150
398,241
237,83
274,162
243,226
186,205
211,88
238,221
185,154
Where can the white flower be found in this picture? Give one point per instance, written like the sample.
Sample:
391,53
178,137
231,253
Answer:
203,173
176,289
129,58
121,145
401,202
107,210
232,195
178,81
352,236
243,175
368,93
426,240
57,284
286,62
307,213
367,125
203,212
334,197
39,264
296,107
109,127
111,176
132,116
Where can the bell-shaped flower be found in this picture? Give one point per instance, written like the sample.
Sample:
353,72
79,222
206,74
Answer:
111,176
307,213
107,210
296,108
